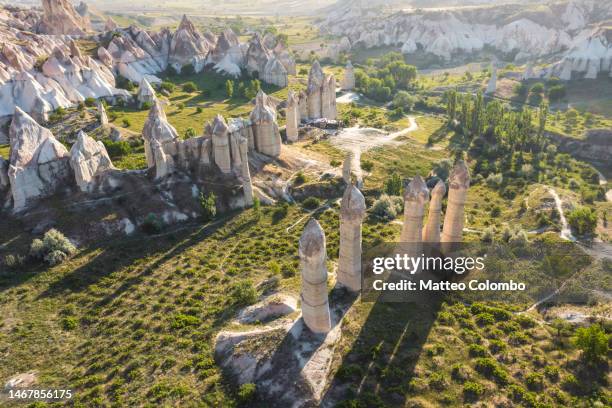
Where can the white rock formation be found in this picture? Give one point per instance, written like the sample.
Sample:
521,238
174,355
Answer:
348,82
265,128
275,73
293,117
110,24
88,158
245,173
103,117
578,26
146,93
189,47
321,94
459,182
221,145
38,163
431,232
347,168
352,212
60,17
314,299
415,198
158,129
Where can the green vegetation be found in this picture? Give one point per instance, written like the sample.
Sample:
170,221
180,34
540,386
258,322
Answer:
53,249
379,78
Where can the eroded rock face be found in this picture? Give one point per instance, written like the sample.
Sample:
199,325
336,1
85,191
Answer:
60,17
431,232
293,117
459,183
102,116
88,159
265,128
348,82
189,46
4,179
158,129
321,94
574,32
38,164
313,254
221,145
275,73
415,198
40,73
352,212
146,93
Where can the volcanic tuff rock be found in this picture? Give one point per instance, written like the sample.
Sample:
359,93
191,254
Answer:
157,129
38,163
146,93
265,128
136,53
40,73
568,30
88,158
60,17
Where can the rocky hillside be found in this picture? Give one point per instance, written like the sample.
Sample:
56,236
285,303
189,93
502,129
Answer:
572,31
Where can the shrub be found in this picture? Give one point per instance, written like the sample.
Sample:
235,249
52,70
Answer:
14,261
311,203
494,180
385,208
152,224
54,248
593,341
446,318
473,390
90,102
247,393
189,133
181,321
189,87
367,165
583,220
556,93
496,346
124,83
126,123
485,319
534,381
208,203
280,212
167,86
199,109
244,293
459,372
476,350
492,370
437,381
509,327
117,149
69,323
300,178
146,106
552,373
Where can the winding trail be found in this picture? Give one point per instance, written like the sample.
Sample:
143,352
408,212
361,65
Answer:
358,140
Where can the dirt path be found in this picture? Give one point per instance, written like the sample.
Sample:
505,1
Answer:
358,140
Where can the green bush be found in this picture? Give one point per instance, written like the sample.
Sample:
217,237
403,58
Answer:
534,381
208,203
300,178
146,106
152,224
244,293
583,220
69,323
492,370
247,393
189,87
367,165
167,86
90,102
437,381
477,350
124,83
393,185
594,343
473,390
126,123
53,249
552,373
485,319
117,149
387,208
311,203
189,133
181,321
496,346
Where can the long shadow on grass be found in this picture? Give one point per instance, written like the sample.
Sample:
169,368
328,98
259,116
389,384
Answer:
115,256
382,357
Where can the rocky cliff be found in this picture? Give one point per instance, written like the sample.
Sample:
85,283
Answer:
572,31
60,17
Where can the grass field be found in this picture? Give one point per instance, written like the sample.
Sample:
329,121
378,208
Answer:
4,151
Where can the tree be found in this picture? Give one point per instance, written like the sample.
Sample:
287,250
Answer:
404,101
209,206
229,88
593,341
542,117
189,87
556,92
393,185
189,133
442,168
583,220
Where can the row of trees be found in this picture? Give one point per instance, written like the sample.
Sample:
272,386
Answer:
505,130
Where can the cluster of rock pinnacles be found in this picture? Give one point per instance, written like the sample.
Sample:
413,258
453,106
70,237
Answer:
312,246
